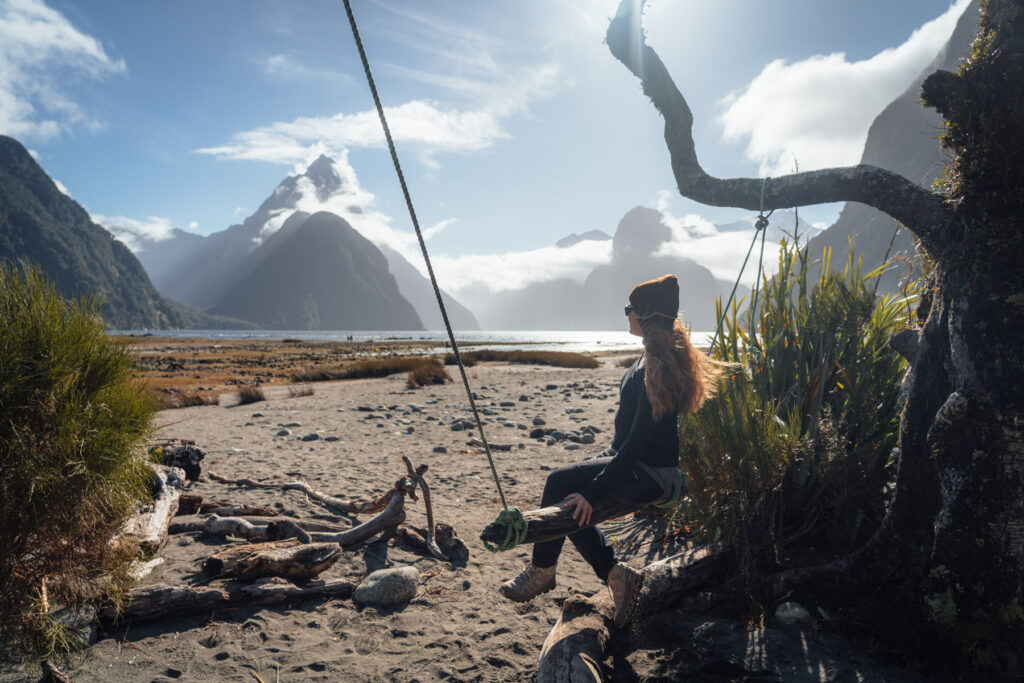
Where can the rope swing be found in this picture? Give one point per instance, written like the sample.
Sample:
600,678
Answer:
510,517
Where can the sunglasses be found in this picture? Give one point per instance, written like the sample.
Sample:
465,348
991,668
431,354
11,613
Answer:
629,309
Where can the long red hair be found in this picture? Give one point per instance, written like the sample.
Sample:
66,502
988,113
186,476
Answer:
679,377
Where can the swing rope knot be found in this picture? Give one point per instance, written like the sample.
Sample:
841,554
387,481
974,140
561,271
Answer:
514,523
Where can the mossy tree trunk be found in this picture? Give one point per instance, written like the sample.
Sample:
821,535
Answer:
955,530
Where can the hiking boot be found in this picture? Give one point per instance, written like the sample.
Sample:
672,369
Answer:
530,583
625,584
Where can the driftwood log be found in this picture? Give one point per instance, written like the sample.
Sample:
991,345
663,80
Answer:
356,506
161,600
149,527
444,535
298,563
222,562
576,645
556,521
193,503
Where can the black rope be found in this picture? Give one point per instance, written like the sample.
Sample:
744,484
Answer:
423,245
760,229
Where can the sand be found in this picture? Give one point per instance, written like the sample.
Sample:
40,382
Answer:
458,628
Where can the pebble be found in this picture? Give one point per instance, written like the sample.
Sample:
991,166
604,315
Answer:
524,397
283,432
550,387
571,446
311,437
257,415
331,438
292,424
536,433
538,421
440,449
507,404
390,586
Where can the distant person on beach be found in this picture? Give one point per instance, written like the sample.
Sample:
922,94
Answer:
670,379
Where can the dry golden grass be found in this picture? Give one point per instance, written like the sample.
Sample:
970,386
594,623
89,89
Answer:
430,372
250,394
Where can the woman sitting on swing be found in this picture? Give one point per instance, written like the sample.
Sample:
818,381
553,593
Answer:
670,379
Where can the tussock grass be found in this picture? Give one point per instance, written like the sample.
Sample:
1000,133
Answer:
72,467
250,393
562,359
171,398
298,390
430,372
797,446
626,362
371,367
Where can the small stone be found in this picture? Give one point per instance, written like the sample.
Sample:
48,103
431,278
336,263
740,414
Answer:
331,438
550,440
257,415
388,586
81,621
536,433
311,437
539,421
524,397
457,427
440,449
292,424
507,404
571,446
573,411
550,387
283,432
792,613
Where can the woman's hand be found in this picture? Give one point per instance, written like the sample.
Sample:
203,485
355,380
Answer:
582,509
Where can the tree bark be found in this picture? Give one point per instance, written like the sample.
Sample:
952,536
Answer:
149,527
556,521
161,601
223,561
952,542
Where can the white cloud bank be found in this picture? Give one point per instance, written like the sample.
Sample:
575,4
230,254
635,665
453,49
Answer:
818,110
427,127
39,50
132,232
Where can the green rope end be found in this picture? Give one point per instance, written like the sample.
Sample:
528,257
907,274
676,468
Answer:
511,518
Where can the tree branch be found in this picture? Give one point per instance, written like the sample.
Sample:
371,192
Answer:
915,207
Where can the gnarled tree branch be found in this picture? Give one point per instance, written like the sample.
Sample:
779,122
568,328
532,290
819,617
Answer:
919,209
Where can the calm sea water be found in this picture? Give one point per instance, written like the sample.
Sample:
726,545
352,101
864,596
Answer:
540,340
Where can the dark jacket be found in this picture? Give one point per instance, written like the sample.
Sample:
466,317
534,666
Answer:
638,437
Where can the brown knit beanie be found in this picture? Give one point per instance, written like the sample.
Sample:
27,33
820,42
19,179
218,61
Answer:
656,297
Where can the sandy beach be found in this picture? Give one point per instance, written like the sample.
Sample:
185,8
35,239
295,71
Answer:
457,627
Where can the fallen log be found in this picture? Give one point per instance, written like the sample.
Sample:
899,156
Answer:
222,526
574,650
444,535
576,645
223,561
389,519
149,526
556,521
161,600
357,506
298,563
188,503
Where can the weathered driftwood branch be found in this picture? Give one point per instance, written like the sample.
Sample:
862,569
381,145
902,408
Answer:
223,561
919,209
149,527
299,562
444,535
337,504
222,526
556,521
193,503
574,650
389,519
576,645
431,543
161,600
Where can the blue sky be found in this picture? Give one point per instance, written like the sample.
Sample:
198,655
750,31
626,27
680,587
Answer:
515,125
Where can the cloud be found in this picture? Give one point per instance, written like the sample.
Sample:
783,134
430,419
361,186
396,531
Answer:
818,110
517,269
427,127
193,225
134,233
40,51
287,68
60,186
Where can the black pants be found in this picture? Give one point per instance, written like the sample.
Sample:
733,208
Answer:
590,542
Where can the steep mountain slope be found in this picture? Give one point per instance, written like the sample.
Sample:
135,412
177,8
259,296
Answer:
42,225
319,273
420,293
904,139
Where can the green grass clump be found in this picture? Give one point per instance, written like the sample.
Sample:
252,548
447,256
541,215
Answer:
250,393
562,359
430,372
72,467
798,444
371,367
